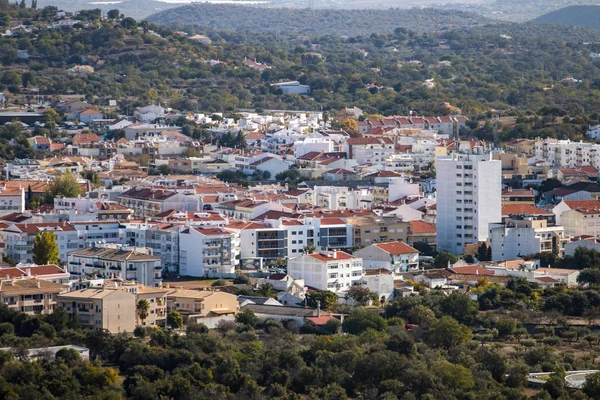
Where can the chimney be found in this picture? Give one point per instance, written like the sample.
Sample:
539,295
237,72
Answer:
38,284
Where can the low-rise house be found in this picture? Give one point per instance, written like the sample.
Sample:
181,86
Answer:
264,301
567,205
281,313
334,270
195,305
101,308
393,256
585,241
380,281
30,295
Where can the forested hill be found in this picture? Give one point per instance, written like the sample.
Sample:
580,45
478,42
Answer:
586,16
321,22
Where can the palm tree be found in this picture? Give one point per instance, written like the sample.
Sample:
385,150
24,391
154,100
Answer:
142,308
266,290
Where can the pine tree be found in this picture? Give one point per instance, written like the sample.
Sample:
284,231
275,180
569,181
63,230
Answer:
45,249
23,4
34,4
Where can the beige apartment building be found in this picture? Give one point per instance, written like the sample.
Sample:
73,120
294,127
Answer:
31,296
369,230
197,304
582,221
101,308
157,298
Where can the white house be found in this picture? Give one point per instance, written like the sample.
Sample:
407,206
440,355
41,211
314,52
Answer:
392,256
334,270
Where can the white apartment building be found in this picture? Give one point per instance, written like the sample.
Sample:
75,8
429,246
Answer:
283,238
114,261
522,237
341,198
567,154
206,251
163,239
333,270
582,221
469,198
12,200
319,144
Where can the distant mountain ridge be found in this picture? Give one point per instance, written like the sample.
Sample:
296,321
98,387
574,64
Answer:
584,16
319,21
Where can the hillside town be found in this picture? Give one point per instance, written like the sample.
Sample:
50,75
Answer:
288,200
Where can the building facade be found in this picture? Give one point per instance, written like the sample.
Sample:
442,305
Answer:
469,198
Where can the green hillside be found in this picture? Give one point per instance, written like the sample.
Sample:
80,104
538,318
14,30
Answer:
315,22
585,16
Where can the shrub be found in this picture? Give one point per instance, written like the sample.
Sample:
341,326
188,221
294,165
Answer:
225,326
333,326
194,327
219,282
241,279
552,341
528,342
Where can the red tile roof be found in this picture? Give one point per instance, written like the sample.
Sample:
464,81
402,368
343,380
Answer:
471,270
417,226
332,256
520,209
396,248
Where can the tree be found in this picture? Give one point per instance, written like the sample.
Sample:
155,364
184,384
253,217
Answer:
246,317
360,295
589,275
34,4
359,321
45,249
484,252
591,386
310,248
174,320
64,184
325,298
447,332
424,248
421,315
23,4
142,308
444,258
266,290
113,14
460,307
50,118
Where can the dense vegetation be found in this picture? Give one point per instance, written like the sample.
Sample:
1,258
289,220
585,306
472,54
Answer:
315,22
455,348
586,16
487,74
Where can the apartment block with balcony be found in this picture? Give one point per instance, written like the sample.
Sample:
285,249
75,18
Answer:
163,239
516,238
115,261
30,295
336,271
19,239
369,230
101,308
206,251
469,198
